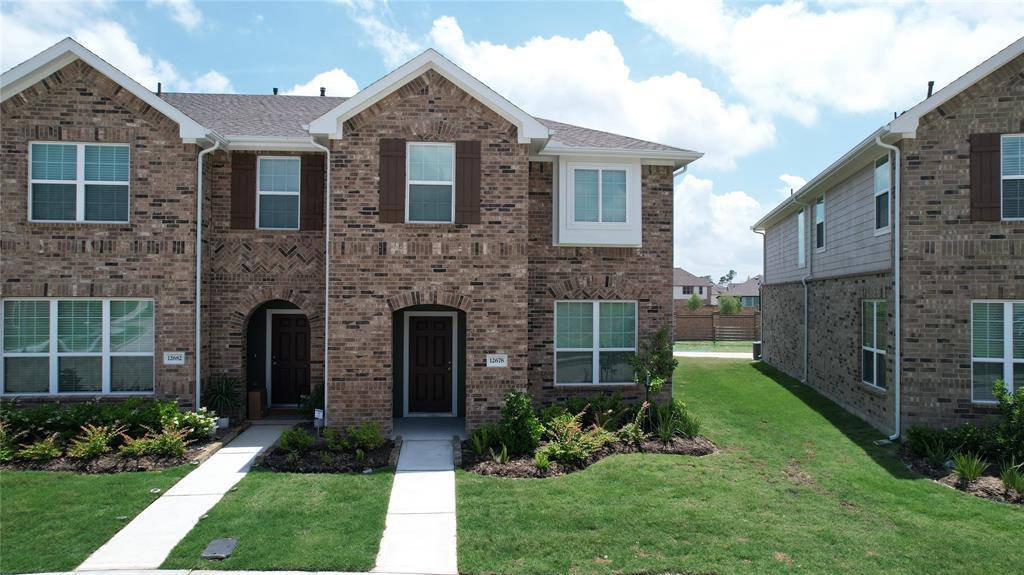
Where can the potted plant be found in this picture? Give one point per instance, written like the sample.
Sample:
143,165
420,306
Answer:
221,398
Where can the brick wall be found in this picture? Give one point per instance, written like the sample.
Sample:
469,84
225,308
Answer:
947,260
782,327
641,274
152,257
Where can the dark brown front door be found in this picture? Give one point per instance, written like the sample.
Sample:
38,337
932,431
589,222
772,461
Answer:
289,358
430,364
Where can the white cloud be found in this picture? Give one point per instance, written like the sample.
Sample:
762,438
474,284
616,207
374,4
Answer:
586,81
712,233
377,21
337,82
793,183
184,12
794,58
29,28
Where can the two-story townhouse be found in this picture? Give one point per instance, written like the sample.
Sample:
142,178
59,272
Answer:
685,284
422,247
894,279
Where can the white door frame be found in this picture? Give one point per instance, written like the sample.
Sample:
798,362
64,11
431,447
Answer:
269,379
455,363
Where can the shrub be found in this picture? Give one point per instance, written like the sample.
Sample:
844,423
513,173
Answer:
7,439
312,402
1013,477
94,441
605,410
221,395
366,437
728,305
1009,435
633,432
197,425
168,442
136,414
336,441
549,412
694,303
296,441
520,429
968,466
540,459
689,425
482,438
569,443
653,364
936,444
501,456
41,450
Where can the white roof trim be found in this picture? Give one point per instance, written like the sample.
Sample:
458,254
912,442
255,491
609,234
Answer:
330,124
906,123
271,143
24,75
678,158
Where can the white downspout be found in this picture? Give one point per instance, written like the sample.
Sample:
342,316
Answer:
898,360
760,291
803,281
199,271
327,262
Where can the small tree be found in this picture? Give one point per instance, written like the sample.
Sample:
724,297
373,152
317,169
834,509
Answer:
653,364
728,305
694,302
727,278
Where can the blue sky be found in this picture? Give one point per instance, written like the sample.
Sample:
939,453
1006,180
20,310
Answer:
772,92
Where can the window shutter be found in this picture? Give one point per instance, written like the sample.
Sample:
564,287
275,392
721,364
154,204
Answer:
243,191
467,182
392,180
985,178
311,192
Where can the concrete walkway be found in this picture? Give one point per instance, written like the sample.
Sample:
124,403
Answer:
715,354
419,533
149,538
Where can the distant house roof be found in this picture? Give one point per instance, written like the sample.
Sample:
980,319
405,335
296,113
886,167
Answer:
751,287
681,277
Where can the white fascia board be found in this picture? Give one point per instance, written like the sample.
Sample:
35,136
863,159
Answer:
24,75
270,143
330,124
675,158
906,124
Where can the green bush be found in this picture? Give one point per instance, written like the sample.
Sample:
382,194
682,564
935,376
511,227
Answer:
570,443
520,429
7,442
483,438
541,460
296,441
197,425
136,415
695,302
168,442
366,437
221,395
605,410
936,444
689,424
94,441
633,432
312,402
42,449
501,456
666,422
336,441
1012,475
728,305
1009,432
969,466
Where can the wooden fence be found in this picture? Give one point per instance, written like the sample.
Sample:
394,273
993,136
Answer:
708,324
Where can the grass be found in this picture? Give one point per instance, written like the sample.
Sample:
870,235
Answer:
52,521
741,346
307,522
798,486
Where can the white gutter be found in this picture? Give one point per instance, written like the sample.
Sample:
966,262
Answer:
898,361
199,270
327,261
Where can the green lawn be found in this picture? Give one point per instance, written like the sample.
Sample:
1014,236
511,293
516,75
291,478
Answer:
798,486
52,521
307,522
743,346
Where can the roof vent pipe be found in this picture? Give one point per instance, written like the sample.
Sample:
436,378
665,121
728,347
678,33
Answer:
323,91
931,84
275,91
159,88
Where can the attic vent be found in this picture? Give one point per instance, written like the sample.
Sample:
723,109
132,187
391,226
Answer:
323,91
275,91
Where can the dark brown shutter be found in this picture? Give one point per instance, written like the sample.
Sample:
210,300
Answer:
243,191
467,182
985,200
311,192
392,180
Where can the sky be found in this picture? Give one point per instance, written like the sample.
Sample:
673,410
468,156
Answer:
772,92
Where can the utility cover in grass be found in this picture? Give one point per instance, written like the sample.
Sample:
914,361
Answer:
220,549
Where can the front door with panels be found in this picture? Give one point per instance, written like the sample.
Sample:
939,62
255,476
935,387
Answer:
289,358
431,373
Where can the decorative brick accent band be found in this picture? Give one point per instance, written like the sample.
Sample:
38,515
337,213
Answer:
435,297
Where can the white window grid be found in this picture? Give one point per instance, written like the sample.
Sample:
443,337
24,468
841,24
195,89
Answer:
884,160
801,234
79,182
600,168
1003,177
260,192
595,347
819,225
876,351
1007,361
409,182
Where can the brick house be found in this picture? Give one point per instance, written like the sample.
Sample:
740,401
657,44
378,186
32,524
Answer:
894,280
422,247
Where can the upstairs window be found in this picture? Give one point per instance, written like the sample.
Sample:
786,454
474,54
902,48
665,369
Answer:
430,193
78,182
599,195
594,342
1012,176
997,347
687,290
801,238
819,225
883,181
874,315
277,197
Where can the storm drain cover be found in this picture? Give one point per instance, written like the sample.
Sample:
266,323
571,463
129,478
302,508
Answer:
220,548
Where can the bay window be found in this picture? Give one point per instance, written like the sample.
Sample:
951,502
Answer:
594,342
997,347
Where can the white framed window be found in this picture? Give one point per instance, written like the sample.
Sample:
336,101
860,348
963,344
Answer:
595,341
75,182
801,239
599,194
819,224
874,331
430,183
883,185
1012,176
277,192
997,347
77,346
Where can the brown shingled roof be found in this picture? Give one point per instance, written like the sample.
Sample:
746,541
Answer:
681,277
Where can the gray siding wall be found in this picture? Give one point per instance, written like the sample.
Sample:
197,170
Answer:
851,246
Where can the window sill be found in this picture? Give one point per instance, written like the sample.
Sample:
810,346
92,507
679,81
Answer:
872,388
79,394
79,223
882,231
585,385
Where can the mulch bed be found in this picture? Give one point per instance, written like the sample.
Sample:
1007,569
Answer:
319,459
111,463
987,486
525,468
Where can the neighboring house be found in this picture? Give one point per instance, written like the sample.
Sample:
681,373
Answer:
911,247
748,293
685,284
424,247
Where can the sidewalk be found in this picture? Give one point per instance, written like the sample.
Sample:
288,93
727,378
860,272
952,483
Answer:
715,354
147,541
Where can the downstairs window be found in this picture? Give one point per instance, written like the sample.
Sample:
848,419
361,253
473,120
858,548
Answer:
874,314
997,347
594,342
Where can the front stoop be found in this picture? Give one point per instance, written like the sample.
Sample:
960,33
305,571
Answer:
419,533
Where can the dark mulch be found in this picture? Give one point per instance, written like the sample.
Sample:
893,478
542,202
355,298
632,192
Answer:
524,467
322,460
988,486
111,463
